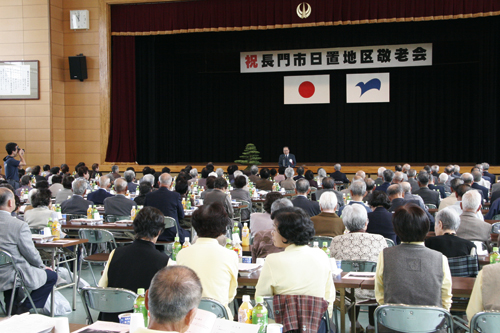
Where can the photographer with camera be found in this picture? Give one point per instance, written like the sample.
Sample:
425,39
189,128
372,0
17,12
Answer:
11,165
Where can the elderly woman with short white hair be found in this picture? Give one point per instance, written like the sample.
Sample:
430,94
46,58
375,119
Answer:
358,245
321,174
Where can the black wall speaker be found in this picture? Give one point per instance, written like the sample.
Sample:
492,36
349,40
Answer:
78,67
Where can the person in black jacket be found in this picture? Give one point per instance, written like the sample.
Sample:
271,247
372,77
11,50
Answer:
133,266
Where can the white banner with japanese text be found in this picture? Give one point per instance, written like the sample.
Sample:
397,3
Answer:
383,56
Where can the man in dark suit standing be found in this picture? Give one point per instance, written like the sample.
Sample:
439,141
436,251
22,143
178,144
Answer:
119,204
77,204
286,159
102,193
429,196
301,201
338,176
170,204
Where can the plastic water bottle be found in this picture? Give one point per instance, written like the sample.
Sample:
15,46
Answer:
186,243
259,314
140,305
326,249
494,256
245,311
245,235
176,248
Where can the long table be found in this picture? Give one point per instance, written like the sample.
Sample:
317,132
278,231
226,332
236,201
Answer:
461,287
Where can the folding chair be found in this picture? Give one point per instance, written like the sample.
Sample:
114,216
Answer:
313,191
430,206
413,318
114,218
96,236
390,242
485,322
111,300
214,306
167,246
6,260
356,266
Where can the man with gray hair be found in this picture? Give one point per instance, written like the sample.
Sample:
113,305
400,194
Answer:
486,168
219,172
452,198
396,195
172,300
435,171
479,179
412,173
446,241
288,184
358,191
148,178
194,174
254,170
429,196
388,177
170,204
119,204
77,204
409,196
329,186
380,176
469,179
456,170
302,189
406,168
102,193
129,176
398,178
15,238
328,223
338,176
471,227
443,182
115,172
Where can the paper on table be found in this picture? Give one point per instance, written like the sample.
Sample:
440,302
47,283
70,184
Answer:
248,267
359,275
207,322
27,323
104,326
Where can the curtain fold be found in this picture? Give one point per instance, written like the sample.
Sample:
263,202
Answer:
122,135
234,15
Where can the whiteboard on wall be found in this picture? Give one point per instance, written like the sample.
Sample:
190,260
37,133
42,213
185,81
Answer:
19,79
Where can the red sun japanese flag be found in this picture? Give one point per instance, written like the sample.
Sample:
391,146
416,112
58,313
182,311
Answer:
313,89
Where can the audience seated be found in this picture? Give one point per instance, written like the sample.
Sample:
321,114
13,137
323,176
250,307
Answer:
170,204
409,196
380,219
469,180
129,176
56,185
452,199
302,190
210,181
263,221
357,191
327,223
77,204
219,195
41,212
380,176
427,269
102,193
254,170
412,173
446,241
126,267
429,196
67,191
329,186
264,183
215,265
388,176
119,204
115,169
300,173
25,185
16,239
471,227
281,174
290,272
484,295
241,193
460,191
436,188
288,184
338,176
358,245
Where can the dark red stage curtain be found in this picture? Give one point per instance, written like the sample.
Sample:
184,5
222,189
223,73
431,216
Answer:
230,15
122,145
